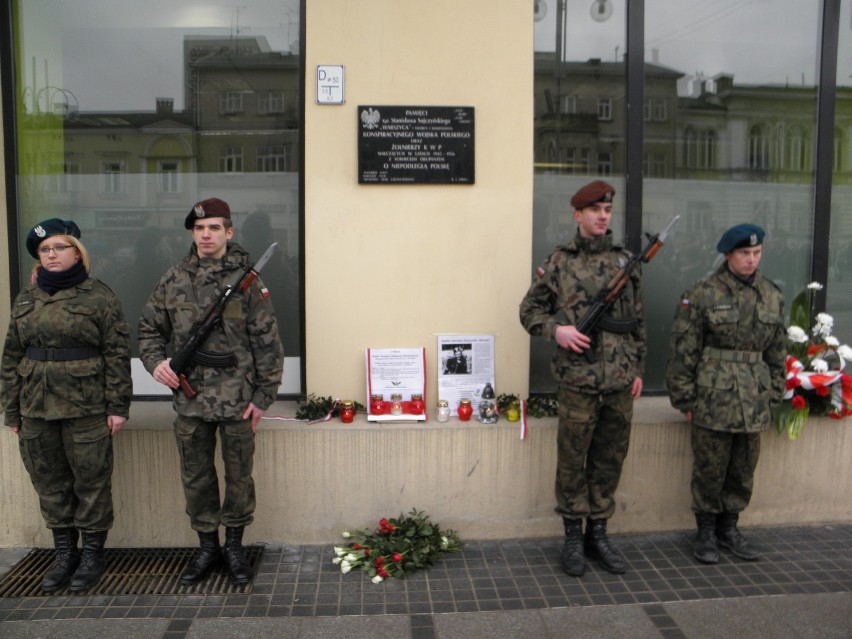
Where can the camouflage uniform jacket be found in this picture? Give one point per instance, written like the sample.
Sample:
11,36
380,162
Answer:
248,330
85,315
721,319
564,288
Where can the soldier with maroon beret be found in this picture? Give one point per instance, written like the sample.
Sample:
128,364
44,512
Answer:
236,382
597,379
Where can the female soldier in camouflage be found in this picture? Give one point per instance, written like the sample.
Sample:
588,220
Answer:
726,368
66,391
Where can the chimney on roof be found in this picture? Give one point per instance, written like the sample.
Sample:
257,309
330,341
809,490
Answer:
165,106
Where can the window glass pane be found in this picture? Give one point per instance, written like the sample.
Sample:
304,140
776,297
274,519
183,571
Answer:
131,112
729,138
578,129
839,290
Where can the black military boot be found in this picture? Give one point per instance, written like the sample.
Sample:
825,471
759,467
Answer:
92,561
573,558
598,546
67,558
731,539
705,547
235,556
206,557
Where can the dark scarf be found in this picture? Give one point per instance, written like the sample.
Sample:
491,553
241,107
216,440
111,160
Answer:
50,282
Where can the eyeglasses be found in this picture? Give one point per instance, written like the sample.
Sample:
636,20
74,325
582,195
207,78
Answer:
59,248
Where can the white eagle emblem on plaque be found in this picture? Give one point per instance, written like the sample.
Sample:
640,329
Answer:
370,117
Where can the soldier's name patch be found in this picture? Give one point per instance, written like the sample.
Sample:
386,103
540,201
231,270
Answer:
723,307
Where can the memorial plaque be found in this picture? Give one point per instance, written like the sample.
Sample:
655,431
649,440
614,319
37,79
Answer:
415,145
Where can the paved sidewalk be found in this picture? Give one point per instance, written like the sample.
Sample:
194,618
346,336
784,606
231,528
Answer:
801,588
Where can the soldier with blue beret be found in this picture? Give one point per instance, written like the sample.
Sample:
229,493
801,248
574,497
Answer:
66,392
597,379
740,236
49,228
726,370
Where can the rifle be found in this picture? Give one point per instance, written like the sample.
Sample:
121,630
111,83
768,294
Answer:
190,351
606,296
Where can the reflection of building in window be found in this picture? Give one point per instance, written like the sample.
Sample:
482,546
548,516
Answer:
655,110
65,177
654,165
605,109
272,159
699,149
604,163
839,145
567,104
270,102
113,177
798,150
758,148
231,159
169,176
231,102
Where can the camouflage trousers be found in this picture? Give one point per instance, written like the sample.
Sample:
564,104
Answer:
70,465
196,442
722,470
592,440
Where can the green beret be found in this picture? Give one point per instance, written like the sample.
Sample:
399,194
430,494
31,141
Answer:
597,191
213,207
740,236
49,228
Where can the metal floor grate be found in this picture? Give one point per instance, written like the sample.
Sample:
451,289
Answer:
129,571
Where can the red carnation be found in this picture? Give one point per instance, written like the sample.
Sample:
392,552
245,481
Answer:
397,557
822,391
798,402
793,382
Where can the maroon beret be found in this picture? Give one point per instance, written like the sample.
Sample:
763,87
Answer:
597,191
213,207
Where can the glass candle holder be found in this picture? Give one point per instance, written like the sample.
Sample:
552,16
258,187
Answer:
396,404
377,404
416,405
347,412
465,410
443,412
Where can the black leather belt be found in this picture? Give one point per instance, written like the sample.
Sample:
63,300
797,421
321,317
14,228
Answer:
61,354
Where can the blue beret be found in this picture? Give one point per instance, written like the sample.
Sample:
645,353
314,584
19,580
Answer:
49,228
740,236
597,191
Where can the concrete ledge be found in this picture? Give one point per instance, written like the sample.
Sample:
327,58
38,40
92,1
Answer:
314,481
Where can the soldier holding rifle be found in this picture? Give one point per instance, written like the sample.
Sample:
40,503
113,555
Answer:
214,301
599,372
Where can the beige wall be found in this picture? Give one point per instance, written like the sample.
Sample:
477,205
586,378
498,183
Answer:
442,259
313,482
5,290
392,266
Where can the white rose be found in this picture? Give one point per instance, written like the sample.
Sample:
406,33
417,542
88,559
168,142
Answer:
844,351
825,318
376,580
797,335
819,365
345,567
815,286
